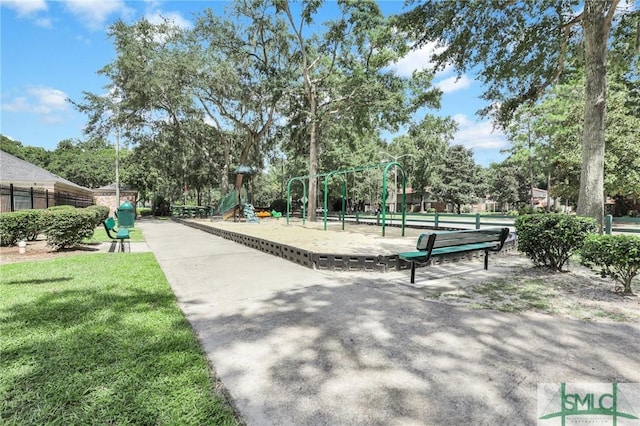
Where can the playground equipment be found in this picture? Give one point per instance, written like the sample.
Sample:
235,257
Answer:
341,173
238,202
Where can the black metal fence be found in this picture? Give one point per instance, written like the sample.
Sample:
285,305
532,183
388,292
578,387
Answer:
14,198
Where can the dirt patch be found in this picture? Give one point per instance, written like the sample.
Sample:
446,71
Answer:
579,294
38,250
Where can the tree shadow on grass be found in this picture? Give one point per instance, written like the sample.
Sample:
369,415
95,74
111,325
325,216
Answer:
101,356
359,353
37,281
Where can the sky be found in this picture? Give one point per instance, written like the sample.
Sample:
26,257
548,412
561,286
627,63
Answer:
51,52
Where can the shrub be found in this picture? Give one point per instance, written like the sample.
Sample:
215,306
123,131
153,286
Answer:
61,207
431,210
525,210
20,225
466,209
160,206
279,205
550,239
67,227
101,213
10,226
617,256
144,211
32,223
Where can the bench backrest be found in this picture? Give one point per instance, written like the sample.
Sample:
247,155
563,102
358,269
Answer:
458,238
109,224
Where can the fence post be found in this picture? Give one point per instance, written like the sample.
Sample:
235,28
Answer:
608,220
477,220
46,194
436,220
11,201
31,194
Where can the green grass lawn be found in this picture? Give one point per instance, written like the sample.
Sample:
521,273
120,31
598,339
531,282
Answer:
100,236
99,339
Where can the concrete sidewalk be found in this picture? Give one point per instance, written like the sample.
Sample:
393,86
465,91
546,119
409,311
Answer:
294,346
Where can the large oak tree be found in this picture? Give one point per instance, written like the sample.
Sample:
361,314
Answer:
522,48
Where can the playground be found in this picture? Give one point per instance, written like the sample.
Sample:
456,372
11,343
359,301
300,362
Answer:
238,203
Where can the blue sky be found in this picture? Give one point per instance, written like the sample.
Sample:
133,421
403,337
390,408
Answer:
52,50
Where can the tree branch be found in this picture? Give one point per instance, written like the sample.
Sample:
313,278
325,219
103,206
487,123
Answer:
609,19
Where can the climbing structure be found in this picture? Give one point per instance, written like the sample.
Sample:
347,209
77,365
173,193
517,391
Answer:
238,201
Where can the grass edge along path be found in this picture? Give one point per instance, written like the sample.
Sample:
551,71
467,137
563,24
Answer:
100,339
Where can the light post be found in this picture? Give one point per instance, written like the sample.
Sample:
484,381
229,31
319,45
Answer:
395,176
115,97
117,168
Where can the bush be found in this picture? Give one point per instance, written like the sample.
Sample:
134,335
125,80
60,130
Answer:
279,205
431,210
20,225
67,227
101,213
160,206
550,239
10,228
525,210
144,211
61,207
617,256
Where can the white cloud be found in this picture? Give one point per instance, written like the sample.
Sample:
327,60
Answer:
47,99
477,135
18,104
415,60
43,22
46,102
25,7
176,19
94,14
462,120
454,83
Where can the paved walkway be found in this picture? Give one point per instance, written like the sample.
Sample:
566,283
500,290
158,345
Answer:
294,346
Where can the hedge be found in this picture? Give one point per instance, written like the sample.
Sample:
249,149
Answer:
20,225
617,256
549,240
68,227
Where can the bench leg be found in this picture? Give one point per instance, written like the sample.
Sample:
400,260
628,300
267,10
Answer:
122,245
486,259
413,272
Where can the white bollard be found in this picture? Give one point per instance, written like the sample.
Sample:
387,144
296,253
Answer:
22,247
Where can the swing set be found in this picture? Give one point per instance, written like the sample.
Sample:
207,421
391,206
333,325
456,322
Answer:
342,174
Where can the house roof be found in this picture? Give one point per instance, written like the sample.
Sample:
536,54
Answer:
14,169
112,187
539,193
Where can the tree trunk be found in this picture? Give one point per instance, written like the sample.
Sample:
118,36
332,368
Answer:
596,31
224,181
313,170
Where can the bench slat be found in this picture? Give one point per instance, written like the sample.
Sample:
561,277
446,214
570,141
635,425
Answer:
413,255
122,233
457,238
467,247
445,242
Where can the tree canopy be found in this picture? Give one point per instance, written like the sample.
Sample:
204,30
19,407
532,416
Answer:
522,53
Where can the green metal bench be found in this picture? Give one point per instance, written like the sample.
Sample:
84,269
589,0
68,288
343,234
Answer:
448,242
121,234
